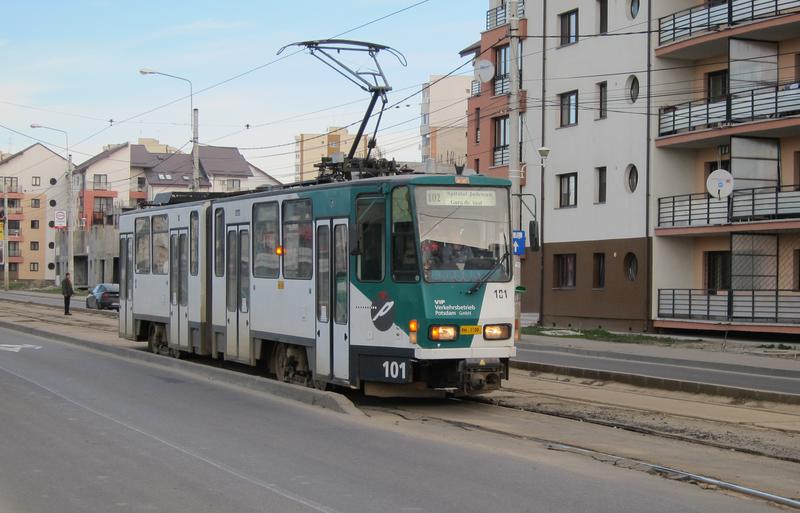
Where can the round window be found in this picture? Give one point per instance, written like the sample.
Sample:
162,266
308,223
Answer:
632,178
633,88
634,8
51,245
52,203
51,266
51,224
631,267
52,181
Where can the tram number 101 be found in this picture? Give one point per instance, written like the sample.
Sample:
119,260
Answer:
386,370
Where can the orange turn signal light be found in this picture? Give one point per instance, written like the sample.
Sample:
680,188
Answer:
279,250
412,326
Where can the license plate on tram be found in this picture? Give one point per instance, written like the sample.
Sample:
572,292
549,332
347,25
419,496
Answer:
470,330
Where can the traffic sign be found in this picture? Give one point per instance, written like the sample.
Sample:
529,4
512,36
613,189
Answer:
518,242
60,220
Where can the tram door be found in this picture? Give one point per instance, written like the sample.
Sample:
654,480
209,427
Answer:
179,289
237,294
126,285
333,299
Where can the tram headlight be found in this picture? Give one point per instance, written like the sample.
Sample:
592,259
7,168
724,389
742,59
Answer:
497,331
442,333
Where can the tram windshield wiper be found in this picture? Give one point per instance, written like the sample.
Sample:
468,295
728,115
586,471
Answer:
478,284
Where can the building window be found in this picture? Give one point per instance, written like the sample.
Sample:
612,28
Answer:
718,270
501,156
34,245
103,205
569,108
502,69
633,88
568,190
233,185
631,267
12,268
266,237
602,98
34,267
160,244
796,269
632,178
569,27
371,222
34,224
599,271
564,271
634,8
717,86
600,181
477,165
36,181
602,14
477,125
36,203
100,182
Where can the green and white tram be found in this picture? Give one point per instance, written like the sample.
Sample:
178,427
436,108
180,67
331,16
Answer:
401,283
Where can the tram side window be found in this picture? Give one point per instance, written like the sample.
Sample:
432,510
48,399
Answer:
266,234
405,267
160,244
297,240
371,222
143,245
194,243
219,242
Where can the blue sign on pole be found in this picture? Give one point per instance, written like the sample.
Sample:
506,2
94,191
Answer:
518,242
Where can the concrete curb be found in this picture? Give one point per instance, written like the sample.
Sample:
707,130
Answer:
674,385
328,400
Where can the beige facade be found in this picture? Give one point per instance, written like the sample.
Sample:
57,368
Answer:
311,148
444,119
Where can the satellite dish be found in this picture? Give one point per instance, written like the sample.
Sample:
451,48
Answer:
484,70
720,184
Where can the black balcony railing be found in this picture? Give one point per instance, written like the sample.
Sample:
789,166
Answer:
702,18
501,156
744,205
775,306
497,17
475,88
502,84
773,101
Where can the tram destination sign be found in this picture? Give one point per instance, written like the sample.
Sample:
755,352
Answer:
461,198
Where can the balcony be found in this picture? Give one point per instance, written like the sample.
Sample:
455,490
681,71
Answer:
15,213
475,88
500,156
704,18
735,306
14,234
762,104
497,17
502,85
743,206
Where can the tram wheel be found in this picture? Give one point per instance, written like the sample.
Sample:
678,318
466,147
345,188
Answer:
152,339
280,362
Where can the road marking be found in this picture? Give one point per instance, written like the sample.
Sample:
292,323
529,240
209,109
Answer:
16,348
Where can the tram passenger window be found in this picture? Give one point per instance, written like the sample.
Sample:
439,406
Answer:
371,222
266,234
160,244
405,267
143,245
194,246
298,242
219,242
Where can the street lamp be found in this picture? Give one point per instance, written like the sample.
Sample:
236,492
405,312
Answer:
192,123
70,199
544,152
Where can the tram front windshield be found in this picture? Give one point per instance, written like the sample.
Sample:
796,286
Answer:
464,233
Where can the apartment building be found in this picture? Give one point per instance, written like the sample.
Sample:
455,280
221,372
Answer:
443,122
638,107
309,149
34,179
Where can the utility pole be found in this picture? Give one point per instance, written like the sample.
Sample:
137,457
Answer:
195,152
514,149
71,217
5,234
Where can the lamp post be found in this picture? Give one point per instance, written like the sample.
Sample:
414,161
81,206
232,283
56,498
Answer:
70,201
544,152
192,123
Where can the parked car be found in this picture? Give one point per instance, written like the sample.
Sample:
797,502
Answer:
104,296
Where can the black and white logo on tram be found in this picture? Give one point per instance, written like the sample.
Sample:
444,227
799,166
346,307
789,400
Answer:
382,311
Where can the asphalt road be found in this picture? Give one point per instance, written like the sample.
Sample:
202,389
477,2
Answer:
751,377
83,431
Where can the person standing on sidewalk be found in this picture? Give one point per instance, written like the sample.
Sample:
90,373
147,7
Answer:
67,291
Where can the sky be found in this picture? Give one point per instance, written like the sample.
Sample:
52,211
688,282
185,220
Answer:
74,66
